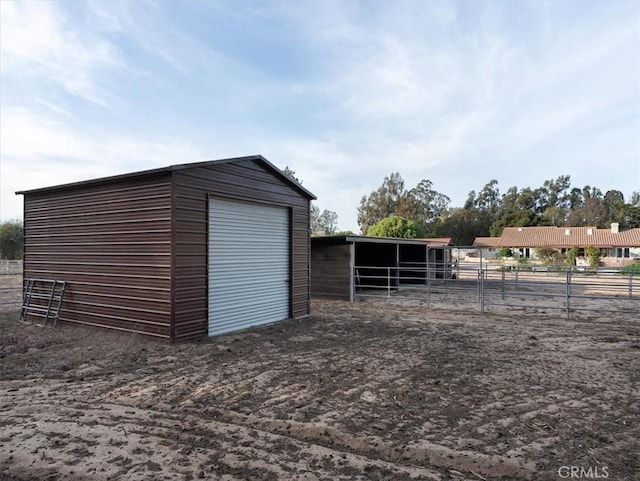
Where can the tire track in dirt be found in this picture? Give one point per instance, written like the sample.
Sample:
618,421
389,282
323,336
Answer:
374,391
116,441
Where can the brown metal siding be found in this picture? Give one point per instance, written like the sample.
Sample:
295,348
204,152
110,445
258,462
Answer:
331,271
248,181
112,243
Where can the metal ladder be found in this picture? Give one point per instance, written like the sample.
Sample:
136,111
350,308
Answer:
47,294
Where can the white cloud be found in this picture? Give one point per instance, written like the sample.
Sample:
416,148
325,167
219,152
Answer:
39,152
38,41
456,92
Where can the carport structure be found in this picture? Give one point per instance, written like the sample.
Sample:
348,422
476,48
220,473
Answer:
177,252
342,264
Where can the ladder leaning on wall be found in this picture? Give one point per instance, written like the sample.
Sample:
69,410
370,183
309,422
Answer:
42,298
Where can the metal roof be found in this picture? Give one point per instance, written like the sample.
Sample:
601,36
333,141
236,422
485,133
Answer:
348,239
171,168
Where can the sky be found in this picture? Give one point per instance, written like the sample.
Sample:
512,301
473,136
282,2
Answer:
344,93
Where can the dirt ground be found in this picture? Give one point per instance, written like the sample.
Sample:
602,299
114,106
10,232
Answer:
372,390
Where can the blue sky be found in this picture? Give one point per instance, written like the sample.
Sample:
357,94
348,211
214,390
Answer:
342,92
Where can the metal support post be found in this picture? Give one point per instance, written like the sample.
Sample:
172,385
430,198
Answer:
482,274
568,292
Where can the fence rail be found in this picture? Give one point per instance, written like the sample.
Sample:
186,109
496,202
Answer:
483,286
10,267
10,286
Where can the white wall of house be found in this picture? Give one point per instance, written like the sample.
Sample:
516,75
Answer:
489,253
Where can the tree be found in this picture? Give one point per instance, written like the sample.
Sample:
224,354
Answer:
554,200
322,223
395,226
429,203
422,204
382,202
519,209
11,240
462,224
614,204
631,217
488,199
588,208
291,173
631,212
482,210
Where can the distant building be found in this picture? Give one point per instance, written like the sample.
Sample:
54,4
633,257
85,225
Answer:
488,246
618,247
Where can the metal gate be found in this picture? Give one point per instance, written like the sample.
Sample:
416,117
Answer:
464,279
249,271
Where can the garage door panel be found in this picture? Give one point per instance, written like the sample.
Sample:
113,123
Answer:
249,267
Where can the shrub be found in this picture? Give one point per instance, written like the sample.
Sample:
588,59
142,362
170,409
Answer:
549,255
524,264
505,252
571,256
593,254
631,269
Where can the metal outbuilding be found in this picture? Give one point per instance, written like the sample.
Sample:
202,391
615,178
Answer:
340,265
178,252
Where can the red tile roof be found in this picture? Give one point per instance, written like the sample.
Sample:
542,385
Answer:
486,242
561,237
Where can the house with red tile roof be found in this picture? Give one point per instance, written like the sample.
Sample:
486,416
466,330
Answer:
618,247
488,245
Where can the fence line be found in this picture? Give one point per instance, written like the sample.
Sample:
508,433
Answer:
483,286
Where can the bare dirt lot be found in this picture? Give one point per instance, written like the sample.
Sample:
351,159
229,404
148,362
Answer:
375,390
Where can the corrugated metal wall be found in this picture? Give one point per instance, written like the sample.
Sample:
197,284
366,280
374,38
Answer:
112,243
331,271
134,248
250,181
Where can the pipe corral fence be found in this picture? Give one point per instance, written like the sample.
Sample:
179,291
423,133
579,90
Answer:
463,281
10,283
471,282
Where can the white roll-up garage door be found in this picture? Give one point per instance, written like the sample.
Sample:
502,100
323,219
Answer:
248,265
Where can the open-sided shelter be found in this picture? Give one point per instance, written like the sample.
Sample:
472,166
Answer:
178,252
342,264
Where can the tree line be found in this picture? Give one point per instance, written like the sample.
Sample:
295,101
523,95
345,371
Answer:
488,211
393,210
